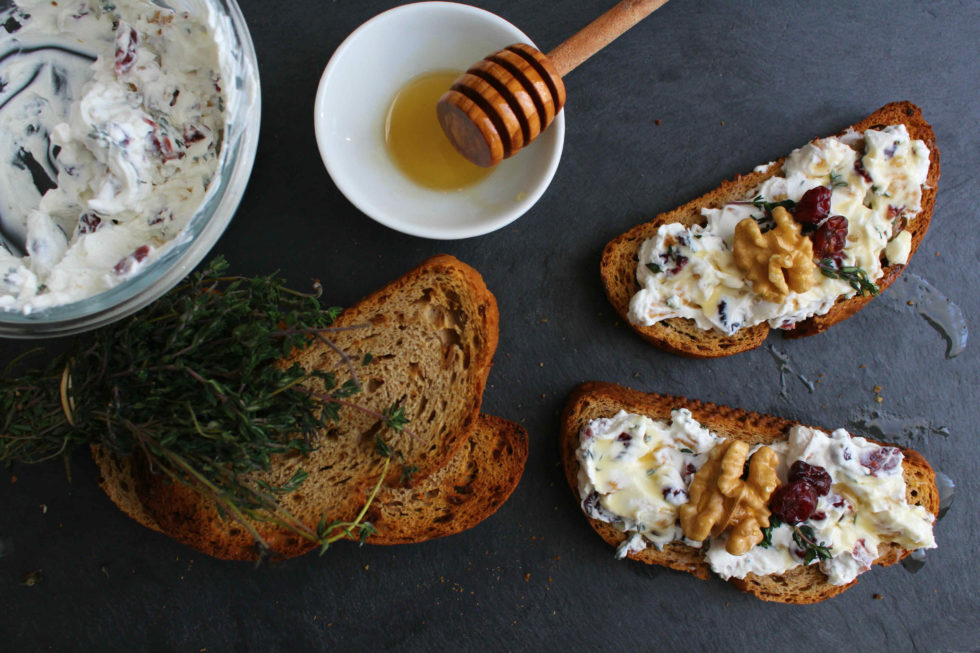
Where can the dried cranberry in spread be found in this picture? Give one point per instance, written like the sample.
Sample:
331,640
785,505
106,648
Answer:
111,123
853,195
845,493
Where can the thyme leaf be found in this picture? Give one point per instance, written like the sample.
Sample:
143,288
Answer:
767,532
408,471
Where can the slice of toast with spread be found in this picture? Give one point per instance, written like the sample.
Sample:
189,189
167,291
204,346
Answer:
683,336
803,584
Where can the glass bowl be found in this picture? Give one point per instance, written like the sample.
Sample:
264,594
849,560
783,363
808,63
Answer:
240,71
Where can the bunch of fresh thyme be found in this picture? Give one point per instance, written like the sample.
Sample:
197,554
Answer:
195,384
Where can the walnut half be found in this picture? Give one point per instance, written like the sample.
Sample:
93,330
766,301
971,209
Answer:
777,261
722,500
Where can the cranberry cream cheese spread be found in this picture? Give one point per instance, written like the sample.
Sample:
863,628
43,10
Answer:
111,123
815,498
805,238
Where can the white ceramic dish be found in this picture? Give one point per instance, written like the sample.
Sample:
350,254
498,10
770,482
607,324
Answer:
356,88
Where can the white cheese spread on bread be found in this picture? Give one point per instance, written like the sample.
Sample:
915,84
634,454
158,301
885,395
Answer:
875,179
635,472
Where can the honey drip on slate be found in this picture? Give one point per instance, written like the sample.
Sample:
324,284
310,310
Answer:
416,142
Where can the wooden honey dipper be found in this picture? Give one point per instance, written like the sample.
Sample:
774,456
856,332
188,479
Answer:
503,102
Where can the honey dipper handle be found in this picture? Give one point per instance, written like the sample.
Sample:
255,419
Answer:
600,33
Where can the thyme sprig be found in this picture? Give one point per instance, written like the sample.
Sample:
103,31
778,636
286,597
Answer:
856,277
803,536
195,385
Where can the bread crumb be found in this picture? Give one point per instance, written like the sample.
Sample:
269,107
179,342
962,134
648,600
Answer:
367,567
877,388
877,597
722,123
879,399
657,122
527,577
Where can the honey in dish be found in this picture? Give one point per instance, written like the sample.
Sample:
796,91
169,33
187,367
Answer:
416,142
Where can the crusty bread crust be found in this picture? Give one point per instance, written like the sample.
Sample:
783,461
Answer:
801,585
470,488
683,336
431,336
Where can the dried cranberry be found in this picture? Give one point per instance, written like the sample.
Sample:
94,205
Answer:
859,168
815,475
883,459
194,133
165,147
673,260
814,206
688,472
676,496
830,237
793,502
126,42
624,437
126,265
88,223
681,261
159,217
593,507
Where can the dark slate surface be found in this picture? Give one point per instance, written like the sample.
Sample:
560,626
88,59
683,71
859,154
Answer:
733,85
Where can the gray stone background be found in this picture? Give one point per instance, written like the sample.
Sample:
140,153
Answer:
700,91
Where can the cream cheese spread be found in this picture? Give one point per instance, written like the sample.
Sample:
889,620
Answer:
635,472
111,120
876,180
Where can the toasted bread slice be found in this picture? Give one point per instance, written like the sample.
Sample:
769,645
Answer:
471,487
800,585
683,336
424,342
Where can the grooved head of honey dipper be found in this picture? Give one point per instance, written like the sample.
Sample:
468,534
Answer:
470,129
501,104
